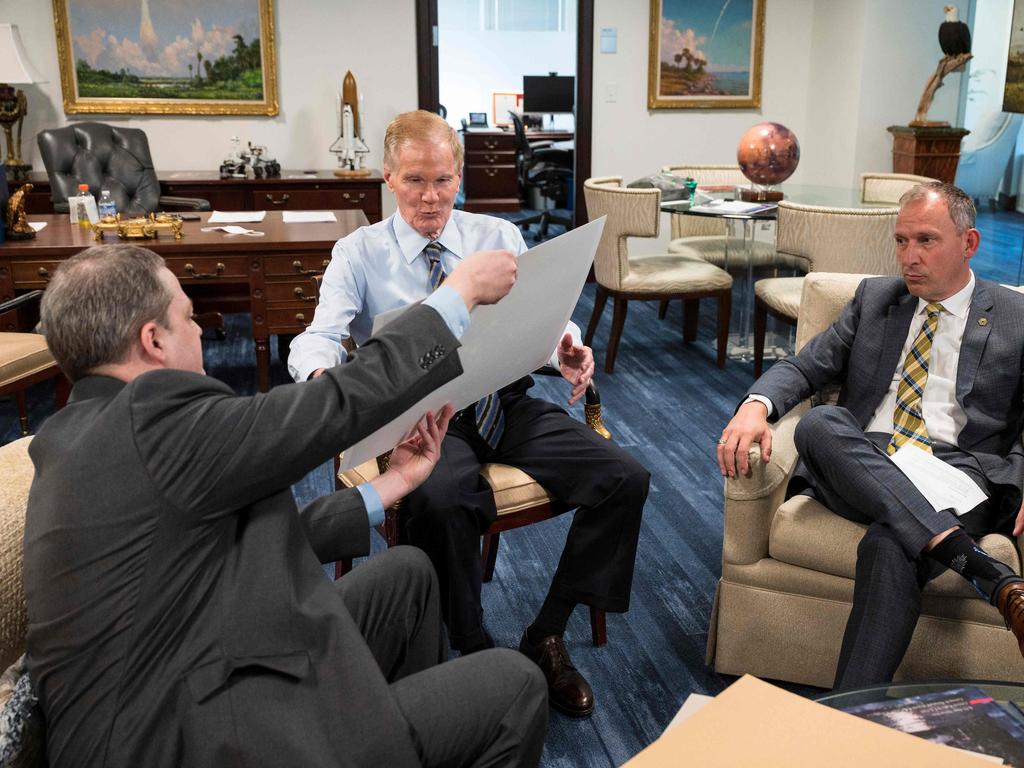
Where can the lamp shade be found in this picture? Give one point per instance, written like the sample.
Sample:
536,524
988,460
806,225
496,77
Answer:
15,68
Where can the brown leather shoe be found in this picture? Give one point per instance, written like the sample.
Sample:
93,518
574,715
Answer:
1010,602
568,691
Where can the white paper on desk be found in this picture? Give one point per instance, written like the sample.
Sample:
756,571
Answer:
944,486
307,217
236,217
507,340
37,225
732,206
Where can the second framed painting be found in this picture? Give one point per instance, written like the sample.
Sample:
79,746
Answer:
705,54
189,57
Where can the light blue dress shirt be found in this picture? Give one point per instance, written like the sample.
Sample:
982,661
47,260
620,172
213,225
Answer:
380,268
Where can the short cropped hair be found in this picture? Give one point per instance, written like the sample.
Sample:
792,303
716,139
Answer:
958,203
97,302
419,125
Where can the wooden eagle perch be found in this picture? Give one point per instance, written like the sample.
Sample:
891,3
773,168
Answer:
955,41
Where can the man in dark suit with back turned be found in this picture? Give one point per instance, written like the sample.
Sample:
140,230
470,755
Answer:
178,611
934,360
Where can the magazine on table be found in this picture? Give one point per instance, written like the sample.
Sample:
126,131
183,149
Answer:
965,718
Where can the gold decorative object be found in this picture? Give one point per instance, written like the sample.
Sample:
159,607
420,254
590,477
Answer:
15,69
138,228
592,413
92,16
17,223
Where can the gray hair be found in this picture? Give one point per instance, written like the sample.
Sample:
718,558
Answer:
419,125
958,203
97,302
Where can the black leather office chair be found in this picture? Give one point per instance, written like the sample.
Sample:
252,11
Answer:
545,168
106,157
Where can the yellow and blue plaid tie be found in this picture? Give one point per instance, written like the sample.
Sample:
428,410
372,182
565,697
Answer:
490,419
907,420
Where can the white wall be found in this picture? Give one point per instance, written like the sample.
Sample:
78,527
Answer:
317,41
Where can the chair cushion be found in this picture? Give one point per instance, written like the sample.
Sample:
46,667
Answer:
806,534
781,294
672,274
514,490
712,250
17,471
21,355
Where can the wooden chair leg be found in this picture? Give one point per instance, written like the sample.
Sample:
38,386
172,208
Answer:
599,301
691,318
489,555
724,314
760,329
20,399
618,321
663,309
598,630
341,567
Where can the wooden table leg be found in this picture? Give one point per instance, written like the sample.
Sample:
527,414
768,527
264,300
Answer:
263,363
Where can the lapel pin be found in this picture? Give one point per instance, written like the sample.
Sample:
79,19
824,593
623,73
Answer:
983,321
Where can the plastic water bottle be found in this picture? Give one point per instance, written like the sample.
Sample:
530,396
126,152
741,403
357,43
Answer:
81,208
107,206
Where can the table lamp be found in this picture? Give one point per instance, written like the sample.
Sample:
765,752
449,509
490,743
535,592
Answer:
16,69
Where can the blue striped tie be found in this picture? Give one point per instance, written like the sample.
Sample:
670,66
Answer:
490,419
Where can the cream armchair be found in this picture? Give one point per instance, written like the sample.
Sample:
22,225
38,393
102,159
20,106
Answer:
786,589
888,188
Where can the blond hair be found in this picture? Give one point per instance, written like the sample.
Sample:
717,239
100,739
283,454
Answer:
419,125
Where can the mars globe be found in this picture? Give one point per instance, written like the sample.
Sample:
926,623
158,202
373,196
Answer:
768,153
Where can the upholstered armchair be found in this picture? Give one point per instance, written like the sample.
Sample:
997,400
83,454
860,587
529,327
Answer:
986,155
825,239
786,588
106,157
662,278
888,188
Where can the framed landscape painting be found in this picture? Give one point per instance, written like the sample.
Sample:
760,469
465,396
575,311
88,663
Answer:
1013,90
705,54
188,57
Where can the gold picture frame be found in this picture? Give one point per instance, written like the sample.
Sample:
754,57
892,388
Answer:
225,80
705,54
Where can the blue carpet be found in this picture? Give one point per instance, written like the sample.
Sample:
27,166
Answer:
666,403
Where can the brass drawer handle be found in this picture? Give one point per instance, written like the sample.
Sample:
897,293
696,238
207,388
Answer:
491,158
284,199
44,273
300,267
347,196
490,144
303,297
491,172
192,271
300,317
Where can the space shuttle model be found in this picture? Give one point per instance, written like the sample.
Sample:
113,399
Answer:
349,147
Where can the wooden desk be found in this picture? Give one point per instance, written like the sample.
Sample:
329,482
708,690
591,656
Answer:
292,190
267,276
490,179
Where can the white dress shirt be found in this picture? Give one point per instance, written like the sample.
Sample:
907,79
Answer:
943,416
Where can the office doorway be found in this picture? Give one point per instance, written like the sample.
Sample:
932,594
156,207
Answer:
574,129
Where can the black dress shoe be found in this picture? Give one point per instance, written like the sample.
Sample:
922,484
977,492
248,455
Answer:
568,691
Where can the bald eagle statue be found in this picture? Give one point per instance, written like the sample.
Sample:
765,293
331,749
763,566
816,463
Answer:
954,35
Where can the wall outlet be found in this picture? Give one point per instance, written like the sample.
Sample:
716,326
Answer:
611,92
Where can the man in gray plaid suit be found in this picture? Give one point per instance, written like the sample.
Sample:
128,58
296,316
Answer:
935,360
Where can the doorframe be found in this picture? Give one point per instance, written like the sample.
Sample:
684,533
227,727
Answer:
428,85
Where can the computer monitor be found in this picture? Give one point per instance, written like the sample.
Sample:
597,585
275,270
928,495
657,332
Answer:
548,94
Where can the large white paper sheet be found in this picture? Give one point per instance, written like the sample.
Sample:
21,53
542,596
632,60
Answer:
944,486
307,217
236,217
507,340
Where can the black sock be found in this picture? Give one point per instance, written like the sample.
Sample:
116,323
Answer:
551,620
960,553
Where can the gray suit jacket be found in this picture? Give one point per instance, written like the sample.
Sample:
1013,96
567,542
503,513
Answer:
178,611
861,350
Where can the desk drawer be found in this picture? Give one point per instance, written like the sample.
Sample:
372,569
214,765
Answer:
293,292
188,268
499,181
366,199
490,158
490,142
292,266
33,274
289,320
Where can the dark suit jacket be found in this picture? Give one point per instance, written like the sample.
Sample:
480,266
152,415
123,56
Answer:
861,350
178,611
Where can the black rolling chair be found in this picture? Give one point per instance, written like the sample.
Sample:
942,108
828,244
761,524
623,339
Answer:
106,157
545,168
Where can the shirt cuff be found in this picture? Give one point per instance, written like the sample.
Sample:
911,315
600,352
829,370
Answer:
450,306
760,399
373,502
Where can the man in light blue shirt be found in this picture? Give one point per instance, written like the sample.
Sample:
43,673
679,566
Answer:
405,258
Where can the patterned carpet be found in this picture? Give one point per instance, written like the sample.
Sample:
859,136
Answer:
666,403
